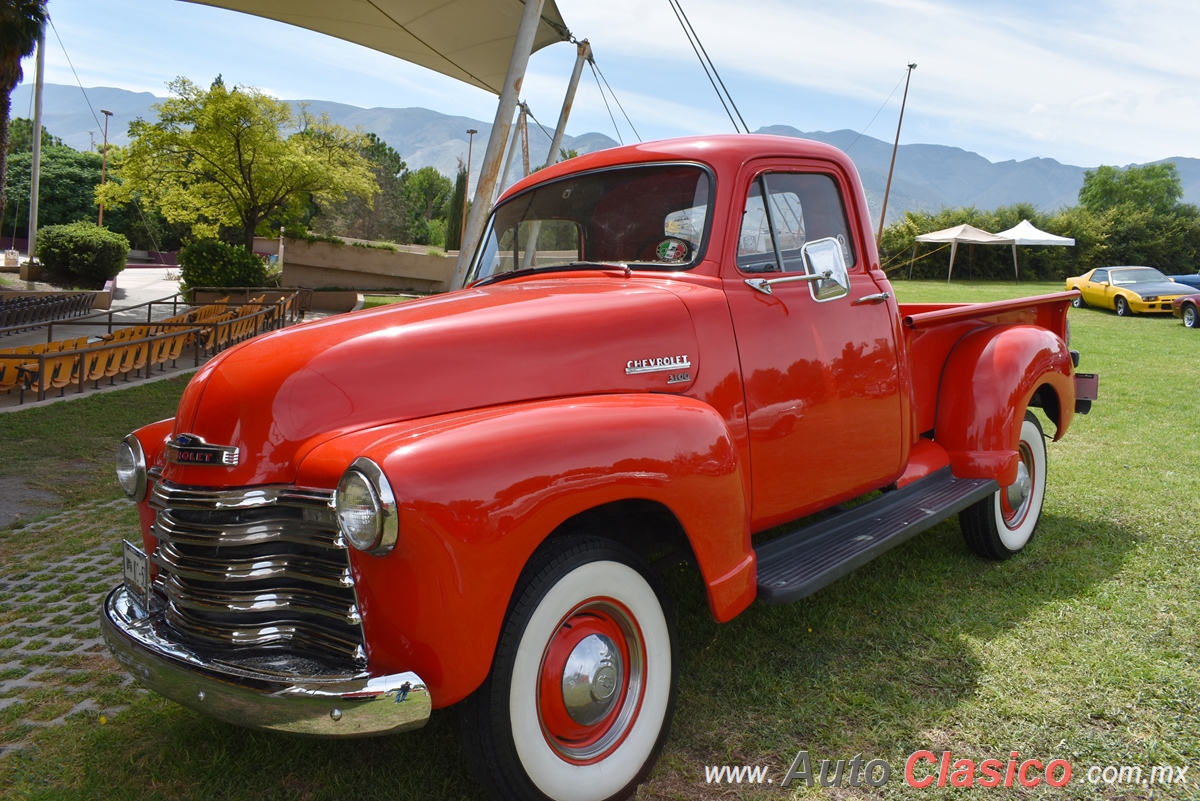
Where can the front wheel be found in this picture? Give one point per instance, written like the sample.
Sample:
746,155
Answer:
1123,309
582,688
1190,318
1078,302
1000,526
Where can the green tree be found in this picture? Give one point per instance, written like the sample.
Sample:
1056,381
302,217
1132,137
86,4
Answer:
458,209
20,23
1151,187
428,195
383,217
236,157
67,192
20,137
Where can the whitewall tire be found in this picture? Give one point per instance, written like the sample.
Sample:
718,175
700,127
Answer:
1000,526
579,700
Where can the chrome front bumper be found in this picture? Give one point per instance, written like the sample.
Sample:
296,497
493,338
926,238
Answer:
318,705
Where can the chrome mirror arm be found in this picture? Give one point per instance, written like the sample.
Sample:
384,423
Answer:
763,285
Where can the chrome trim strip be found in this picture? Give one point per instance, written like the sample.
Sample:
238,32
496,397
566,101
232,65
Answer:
295,600
280,632
298,532
257,568
166,495
341,705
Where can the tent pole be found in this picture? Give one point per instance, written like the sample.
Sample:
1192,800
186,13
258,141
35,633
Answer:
953,250
912,259
583,54
522,48
1016,272
512,149
887,190
584,51
35,168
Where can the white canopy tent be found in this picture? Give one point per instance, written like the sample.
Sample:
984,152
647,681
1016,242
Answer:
1024,233
967,234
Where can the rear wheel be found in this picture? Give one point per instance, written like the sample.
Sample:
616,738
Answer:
582,688
1123,309
1000,526
1190,318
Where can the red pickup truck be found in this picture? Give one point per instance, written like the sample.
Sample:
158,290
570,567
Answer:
662,351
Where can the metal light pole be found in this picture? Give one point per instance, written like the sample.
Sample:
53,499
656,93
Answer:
104,161
467,186
895,147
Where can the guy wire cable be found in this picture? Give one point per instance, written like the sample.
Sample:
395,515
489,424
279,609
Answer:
678,4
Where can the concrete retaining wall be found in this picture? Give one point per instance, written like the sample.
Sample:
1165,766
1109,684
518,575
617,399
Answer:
323,264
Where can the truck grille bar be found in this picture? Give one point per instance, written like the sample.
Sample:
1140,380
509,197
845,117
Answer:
256,572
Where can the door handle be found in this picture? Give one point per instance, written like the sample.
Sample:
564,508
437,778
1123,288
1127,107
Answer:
876,298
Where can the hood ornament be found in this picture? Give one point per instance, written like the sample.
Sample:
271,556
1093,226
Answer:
191,449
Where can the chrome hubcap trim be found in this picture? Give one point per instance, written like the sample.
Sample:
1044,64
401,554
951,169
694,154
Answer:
593,674
1018,492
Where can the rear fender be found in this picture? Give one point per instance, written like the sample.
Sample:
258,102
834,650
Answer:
987,383
479,492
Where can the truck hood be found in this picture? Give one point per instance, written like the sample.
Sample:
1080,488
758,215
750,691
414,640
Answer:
276,397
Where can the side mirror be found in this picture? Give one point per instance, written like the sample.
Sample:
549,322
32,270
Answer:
825,257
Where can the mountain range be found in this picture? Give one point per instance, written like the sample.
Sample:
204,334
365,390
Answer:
927,177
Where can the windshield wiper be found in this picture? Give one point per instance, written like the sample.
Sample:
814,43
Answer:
575,266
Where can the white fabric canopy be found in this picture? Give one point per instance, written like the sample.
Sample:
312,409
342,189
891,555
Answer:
470,40
1024,233
968,234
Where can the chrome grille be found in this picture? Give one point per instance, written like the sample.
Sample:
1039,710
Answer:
261,571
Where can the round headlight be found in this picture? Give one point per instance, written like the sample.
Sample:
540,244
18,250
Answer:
131,468
366,508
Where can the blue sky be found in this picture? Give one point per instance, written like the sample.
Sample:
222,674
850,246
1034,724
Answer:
1105,81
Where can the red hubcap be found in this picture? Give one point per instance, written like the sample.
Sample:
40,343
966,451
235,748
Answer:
591,680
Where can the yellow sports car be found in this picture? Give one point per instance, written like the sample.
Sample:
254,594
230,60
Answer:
1127,290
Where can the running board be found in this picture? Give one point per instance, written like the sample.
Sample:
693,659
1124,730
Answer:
803,561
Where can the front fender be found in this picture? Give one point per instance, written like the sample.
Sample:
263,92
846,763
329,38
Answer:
479,492
986,385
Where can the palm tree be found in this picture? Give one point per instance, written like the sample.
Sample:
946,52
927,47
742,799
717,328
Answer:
21,22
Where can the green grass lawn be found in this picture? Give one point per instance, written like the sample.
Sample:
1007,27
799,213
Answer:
371,301
1085,647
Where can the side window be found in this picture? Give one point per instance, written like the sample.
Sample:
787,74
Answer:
807,206
799,208
1100,276
756,251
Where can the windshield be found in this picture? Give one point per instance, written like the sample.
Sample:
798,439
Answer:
1136,275
651,216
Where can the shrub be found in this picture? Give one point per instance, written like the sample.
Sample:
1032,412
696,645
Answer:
210,262
82,250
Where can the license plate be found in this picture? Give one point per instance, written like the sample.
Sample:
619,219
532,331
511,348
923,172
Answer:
137,575
1087,386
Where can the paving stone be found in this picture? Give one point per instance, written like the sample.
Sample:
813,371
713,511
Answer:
36,650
